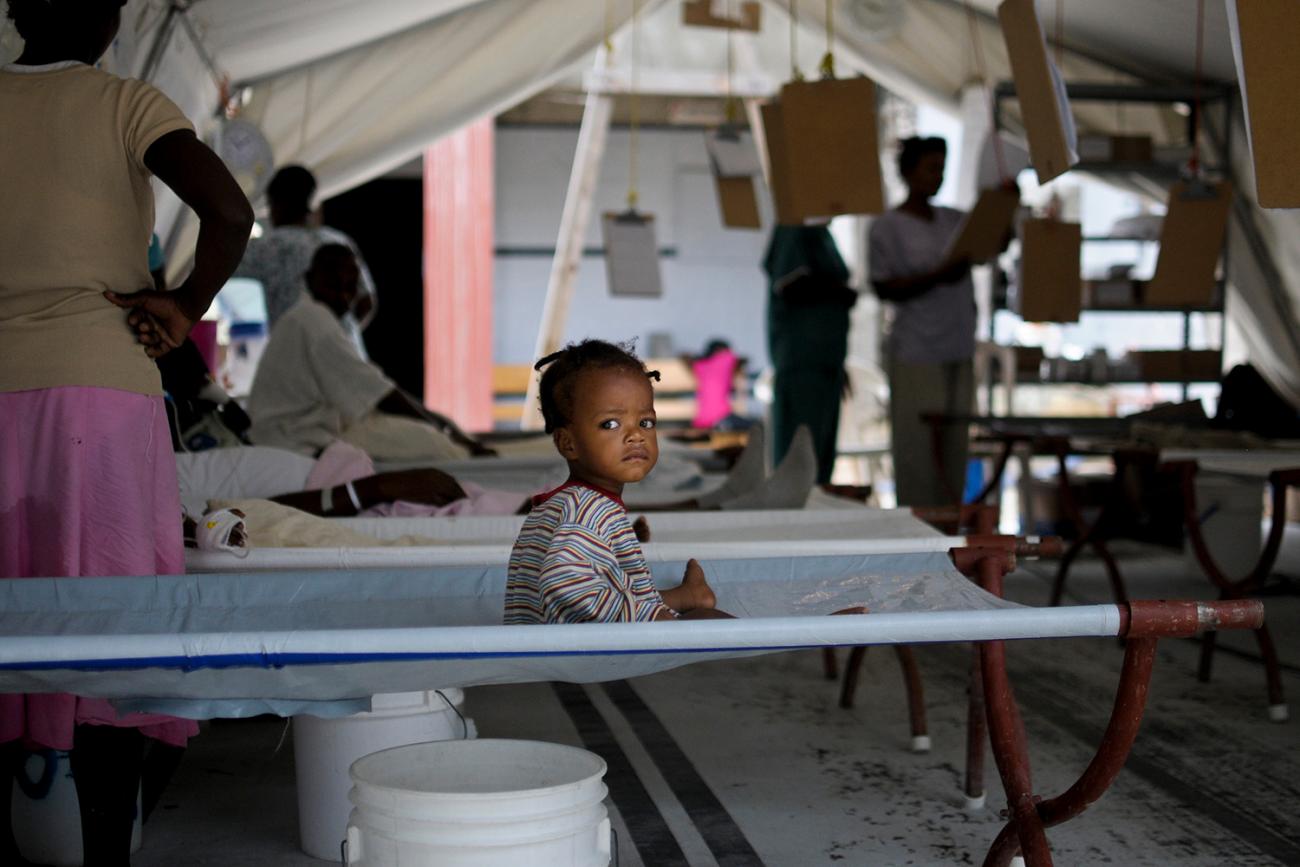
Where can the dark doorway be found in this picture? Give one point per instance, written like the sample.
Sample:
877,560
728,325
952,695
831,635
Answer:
386,219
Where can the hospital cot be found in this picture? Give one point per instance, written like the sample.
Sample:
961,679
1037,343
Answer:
707,536
245,643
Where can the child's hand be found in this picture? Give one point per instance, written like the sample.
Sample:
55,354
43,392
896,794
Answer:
641,527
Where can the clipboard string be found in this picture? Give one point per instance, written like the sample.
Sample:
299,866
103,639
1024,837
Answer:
827,67
609,16
729,106
1059,22
981,71
795,74
1194,161
634,126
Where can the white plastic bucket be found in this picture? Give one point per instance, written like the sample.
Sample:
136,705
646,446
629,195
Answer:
324,749
46,813
476,803
1232,511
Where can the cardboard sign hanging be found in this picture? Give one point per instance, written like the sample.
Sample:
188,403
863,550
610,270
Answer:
1191,239
732,152
631,255
778,159
734,159
1050,287
822,144
1265,34
986,226
738,202
1043,104
711,13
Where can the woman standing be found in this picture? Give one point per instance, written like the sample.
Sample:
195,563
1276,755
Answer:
87,477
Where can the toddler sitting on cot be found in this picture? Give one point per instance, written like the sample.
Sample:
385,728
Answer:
577,559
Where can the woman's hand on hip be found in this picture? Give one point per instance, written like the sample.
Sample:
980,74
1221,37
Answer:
157,318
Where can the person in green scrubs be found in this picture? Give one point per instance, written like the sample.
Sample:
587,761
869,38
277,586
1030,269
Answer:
808,305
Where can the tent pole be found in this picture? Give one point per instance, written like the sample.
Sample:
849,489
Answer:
161,37
573,229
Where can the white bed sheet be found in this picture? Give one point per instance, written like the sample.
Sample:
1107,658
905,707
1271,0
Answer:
487,540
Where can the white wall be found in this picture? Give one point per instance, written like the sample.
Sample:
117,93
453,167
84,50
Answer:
713,287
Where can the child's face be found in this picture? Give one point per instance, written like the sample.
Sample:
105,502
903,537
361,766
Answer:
610,440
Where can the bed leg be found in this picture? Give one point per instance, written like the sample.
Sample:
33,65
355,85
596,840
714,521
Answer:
1010,752
915,698
1121,731
830,665
1208,642
976,735
1230,589
1112,572
1063,571
851,670
1273,673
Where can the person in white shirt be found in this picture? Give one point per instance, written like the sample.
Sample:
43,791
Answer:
279,259
932,339
313,386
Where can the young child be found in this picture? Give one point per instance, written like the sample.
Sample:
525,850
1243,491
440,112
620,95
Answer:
577,559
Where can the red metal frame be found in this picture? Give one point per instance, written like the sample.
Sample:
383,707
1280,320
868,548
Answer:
1143,623
1279,481
981,519
1097,534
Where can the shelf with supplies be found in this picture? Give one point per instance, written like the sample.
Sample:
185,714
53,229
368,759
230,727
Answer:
1177,366
1127,295
1181,288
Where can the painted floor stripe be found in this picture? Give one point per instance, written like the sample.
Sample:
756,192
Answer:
646,826
720,832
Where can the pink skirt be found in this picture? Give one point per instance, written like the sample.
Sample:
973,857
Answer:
87,488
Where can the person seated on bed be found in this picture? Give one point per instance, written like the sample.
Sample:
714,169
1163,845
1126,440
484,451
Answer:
577,559
313,387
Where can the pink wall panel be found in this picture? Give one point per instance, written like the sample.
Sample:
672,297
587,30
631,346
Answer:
458,217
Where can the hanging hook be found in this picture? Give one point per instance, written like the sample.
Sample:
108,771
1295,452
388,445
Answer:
827,67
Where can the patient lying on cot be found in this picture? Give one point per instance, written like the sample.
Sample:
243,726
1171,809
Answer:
577,559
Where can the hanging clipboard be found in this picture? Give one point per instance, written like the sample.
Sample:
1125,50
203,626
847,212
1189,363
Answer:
1191,239
732,152
1049,125
734,160
984,231
713,13
1264,38
631,255
1050,288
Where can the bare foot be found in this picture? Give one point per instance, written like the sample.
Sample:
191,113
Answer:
641,527
693,593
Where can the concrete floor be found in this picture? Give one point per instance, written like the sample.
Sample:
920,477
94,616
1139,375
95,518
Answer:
751,761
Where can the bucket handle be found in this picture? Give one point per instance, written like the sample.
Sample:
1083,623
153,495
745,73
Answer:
606,837
350,848
39,788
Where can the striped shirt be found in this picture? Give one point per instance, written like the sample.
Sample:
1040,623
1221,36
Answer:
577,560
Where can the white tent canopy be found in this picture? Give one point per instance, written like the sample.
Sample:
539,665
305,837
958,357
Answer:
355,89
